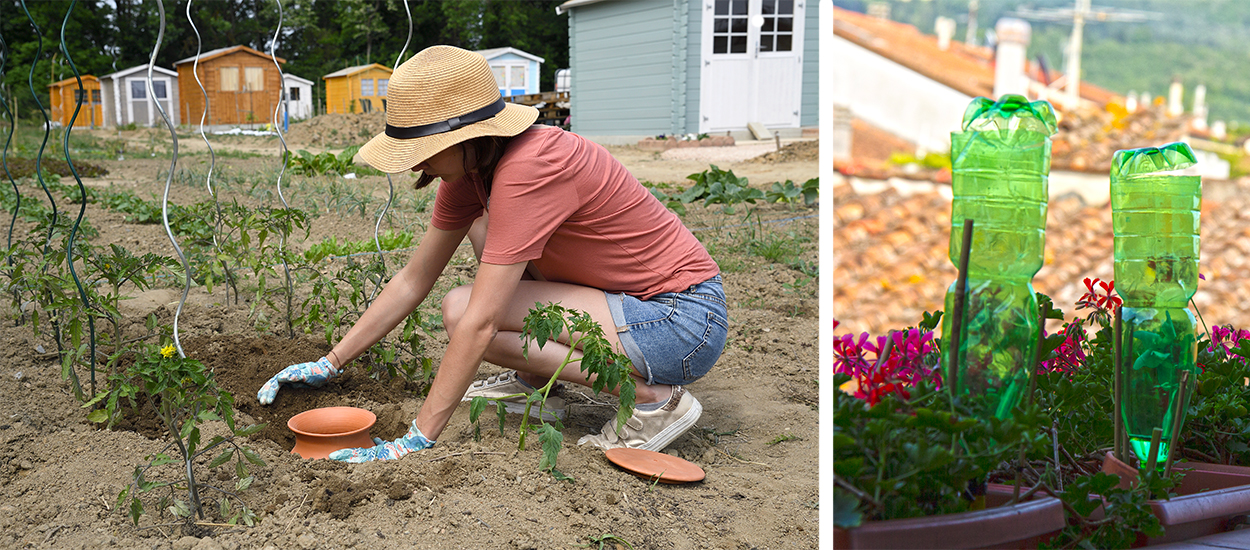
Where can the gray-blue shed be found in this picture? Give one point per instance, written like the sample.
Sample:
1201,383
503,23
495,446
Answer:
647,67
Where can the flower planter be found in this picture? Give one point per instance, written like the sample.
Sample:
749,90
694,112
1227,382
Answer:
1021,525
319,432
1210,498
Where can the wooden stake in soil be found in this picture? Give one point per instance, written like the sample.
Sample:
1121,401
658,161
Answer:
1117,447
957,318
1178,411
1152,458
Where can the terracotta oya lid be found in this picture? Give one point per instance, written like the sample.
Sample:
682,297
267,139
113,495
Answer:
652,465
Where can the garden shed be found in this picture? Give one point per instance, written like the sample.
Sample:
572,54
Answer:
65,99
126,98
646,67
515,71
299,93
242,84
359,89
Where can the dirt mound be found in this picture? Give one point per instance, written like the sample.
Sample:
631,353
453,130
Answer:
336,130
242,365
798,151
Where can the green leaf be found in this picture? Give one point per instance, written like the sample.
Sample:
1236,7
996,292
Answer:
221,458
552,441
845,510
244,483
502,413
250,429
98,415
252,457
476,407
136,510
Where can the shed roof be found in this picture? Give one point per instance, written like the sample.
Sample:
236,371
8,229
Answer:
224,51
137,68
71,80
496,52
573,4
964,68
301,80
358,68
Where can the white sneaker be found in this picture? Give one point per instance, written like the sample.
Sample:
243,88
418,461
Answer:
505,388
651,430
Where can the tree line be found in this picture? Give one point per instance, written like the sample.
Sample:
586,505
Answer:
317,36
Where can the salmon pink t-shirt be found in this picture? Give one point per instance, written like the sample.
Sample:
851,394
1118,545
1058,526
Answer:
566,204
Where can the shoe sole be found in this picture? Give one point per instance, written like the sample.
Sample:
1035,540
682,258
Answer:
519,408
676,429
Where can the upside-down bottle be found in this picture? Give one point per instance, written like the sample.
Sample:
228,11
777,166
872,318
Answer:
1155,213
1000,165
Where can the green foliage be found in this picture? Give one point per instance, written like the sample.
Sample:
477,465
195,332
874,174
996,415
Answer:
183,394
330,246
716,186
547,323
602,541
918,457
308,164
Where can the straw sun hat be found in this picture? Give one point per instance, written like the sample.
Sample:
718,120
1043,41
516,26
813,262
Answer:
441,97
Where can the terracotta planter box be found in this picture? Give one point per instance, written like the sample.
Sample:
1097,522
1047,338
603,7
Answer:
1210,498
1022,525
652,144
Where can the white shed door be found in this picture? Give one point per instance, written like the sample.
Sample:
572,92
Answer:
752,64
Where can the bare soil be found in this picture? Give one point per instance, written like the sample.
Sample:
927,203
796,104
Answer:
757,439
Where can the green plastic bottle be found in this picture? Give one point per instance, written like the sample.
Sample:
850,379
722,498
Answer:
1000,165
1156,217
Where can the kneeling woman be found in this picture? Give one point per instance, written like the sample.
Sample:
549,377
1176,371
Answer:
553,218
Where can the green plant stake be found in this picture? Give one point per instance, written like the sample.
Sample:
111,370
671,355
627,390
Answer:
1001,163
1155,215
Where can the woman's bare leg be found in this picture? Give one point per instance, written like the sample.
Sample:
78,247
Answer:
506,349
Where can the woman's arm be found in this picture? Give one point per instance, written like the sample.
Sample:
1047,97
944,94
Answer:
492,293
402,294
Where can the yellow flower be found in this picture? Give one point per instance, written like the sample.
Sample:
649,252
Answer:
168,351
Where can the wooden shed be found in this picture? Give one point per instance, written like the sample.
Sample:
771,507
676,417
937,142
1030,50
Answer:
126,98
65,99
359,89
243,86
647,67
515,71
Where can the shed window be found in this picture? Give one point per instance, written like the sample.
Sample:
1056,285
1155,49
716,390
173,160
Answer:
158,89
382,84
95,96
229,79
729,26
254,79
137,91
80,96
293,93
777,34
366,87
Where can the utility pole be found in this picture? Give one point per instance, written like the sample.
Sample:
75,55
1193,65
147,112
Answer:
1079,13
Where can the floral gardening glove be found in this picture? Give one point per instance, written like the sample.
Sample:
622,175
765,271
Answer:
414,440
303,375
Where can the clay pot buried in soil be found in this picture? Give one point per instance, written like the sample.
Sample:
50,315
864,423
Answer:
1021,525
319,432
1210,498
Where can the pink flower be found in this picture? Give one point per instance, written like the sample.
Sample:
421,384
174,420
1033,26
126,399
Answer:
906,365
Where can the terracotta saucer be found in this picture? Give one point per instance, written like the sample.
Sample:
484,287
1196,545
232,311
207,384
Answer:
650,465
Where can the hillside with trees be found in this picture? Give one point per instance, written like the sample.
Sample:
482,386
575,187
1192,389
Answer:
1199,42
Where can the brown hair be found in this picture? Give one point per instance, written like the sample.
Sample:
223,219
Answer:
487,152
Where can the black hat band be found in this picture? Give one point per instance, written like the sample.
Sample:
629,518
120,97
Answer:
454,123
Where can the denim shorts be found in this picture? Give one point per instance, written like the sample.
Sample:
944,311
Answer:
675,337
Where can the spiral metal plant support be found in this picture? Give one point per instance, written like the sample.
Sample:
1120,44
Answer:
390,196
82,210
4,161
212,158
47,246
286,228
192,487
173,165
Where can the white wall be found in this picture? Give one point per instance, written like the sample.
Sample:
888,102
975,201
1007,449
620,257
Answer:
895,98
